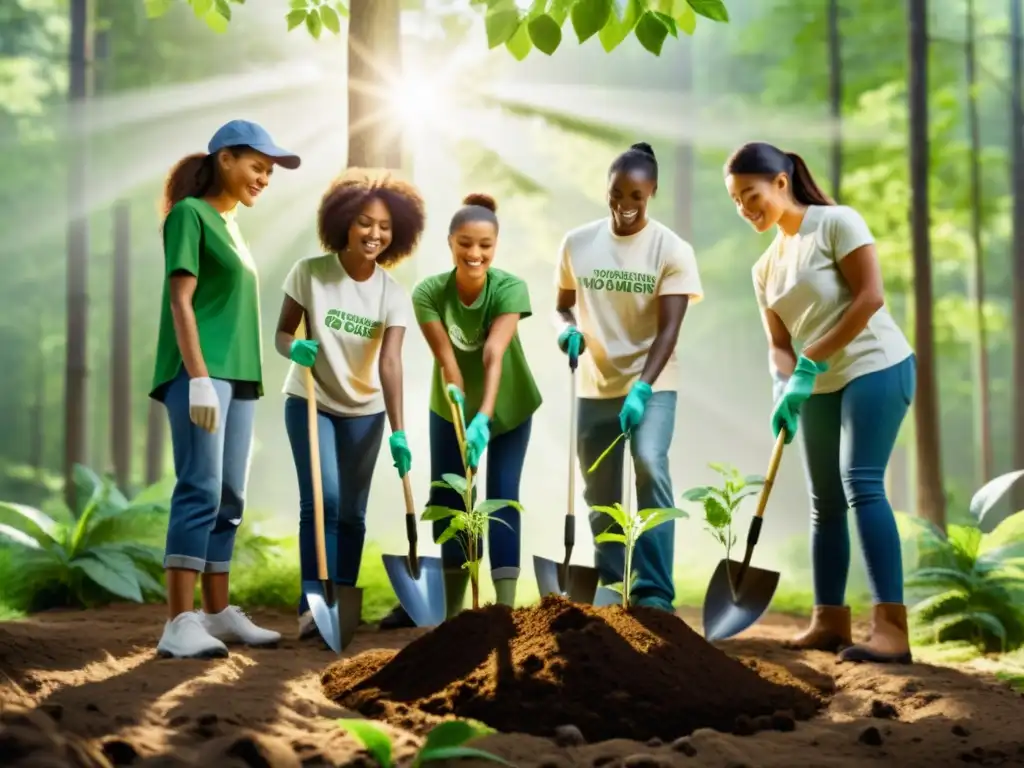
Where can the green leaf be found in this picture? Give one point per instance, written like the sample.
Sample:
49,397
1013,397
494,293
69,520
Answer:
606,537
754,480
223,8
373,739
491,506
651,32
20,538
545,34
520,44
201,7
696,494
117,580
216,22
342,9
456,482
453,733
501,23
669,22
616,513
314,24
448,533
330,19
607,450
37,517
710,9
299,5
455,753
436,512
656,517
618,28
616,587
156,8
589,16
441,484
715,513
684,16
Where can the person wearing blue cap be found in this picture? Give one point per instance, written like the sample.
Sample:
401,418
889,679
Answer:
209,374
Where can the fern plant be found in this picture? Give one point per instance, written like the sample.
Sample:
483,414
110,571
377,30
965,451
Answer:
104,549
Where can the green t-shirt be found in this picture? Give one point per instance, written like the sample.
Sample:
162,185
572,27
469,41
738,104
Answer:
199,241
436,298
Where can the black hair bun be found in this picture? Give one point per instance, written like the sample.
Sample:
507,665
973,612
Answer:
643,146
482,200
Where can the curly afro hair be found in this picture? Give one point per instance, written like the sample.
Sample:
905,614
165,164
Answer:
350,193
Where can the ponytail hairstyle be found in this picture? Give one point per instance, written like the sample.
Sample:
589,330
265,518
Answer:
761,159
639,157
193,176
475,207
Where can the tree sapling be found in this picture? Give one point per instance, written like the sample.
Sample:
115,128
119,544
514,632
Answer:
446,741
721,502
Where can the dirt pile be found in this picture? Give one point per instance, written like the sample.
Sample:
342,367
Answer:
613,674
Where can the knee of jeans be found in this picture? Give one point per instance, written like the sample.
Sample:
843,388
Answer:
828,508
864,486
649,463
199,494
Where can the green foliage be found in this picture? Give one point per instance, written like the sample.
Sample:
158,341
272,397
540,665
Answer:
446,741
216,13
721,502
103,550
968,586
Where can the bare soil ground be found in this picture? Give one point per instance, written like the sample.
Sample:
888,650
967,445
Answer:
84,688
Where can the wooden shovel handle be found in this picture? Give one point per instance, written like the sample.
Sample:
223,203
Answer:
773,470
314,470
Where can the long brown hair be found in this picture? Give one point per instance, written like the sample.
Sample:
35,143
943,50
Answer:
761,159
193,176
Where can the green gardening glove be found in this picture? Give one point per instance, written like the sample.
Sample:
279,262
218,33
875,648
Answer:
303,352
571,342
633,408
455,395
400,452
478,434
799,387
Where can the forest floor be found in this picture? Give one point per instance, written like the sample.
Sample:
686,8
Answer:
85,688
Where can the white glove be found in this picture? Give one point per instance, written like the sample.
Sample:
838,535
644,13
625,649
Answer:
203,403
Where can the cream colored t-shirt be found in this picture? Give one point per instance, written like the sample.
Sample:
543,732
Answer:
348,318
798,278
618,281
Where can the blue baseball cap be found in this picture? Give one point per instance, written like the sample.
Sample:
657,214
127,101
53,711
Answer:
245,133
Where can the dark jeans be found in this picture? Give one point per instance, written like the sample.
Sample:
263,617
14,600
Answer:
505,456
847,439
349,446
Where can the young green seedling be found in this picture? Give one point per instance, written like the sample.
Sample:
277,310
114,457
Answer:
721,502
631,526
446,741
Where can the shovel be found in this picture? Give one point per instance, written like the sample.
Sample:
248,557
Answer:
733,603
577,582
337,626
418,581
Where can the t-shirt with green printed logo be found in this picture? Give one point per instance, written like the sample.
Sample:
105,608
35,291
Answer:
199,241
436,298
349,321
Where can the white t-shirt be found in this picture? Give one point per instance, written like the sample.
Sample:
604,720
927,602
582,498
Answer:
618,281
348,318
798,278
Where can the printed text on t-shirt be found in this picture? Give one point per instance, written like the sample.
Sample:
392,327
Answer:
346,322
619,281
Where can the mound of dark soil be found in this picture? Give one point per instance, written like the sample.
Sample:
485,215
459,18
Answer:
634,674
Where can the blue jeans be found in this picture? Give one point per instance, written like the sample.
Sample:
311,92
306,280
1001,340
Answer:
505,456
654,554
212,472
847,439
349,446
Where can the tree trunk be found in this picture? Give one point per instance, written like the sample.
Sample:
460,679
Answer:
1017,165
155,442
76,366
684,181
931,501
120,358
835,92
37,419
374,59
983,423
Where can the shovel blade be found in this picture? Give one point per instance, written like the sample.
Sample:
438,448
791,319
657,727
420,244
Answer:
422,598
727,614
324,609
582,580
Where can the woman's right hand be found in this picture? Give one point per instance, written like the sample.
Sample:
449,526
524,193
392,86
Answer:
571,342
303,352
203,403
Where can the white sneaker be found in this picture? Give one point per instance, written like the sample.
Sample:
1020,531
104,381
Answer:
307,627
185,637
233,626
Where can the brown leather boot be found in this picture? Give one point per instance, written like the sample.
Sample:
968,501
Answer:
829,630
889,641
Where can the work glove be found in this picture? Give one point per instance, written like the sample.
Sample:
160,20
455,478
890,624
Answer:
203,403
400,452
303,352
455,395
571,342
794,394
778,386
633,408
478,434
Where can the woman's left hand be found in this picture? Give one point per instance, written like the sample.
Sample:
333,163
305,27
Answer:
798,389
400,452
478,434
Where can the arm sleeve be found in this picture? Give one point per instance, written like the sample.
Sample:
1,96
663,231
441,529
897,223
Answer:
846,232
679,275
296,284
565,280
398,308
757,274
514,297
424,304
183,236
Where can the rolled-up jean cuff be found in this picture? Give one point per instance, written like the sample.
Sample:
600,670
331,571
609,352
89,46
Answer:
508,572
186,563
222,567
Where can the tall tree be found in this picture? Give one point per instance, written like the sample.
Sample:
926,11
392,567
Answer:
374,58
1017,184
931,500
120,346
982,419
835,93
684,170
